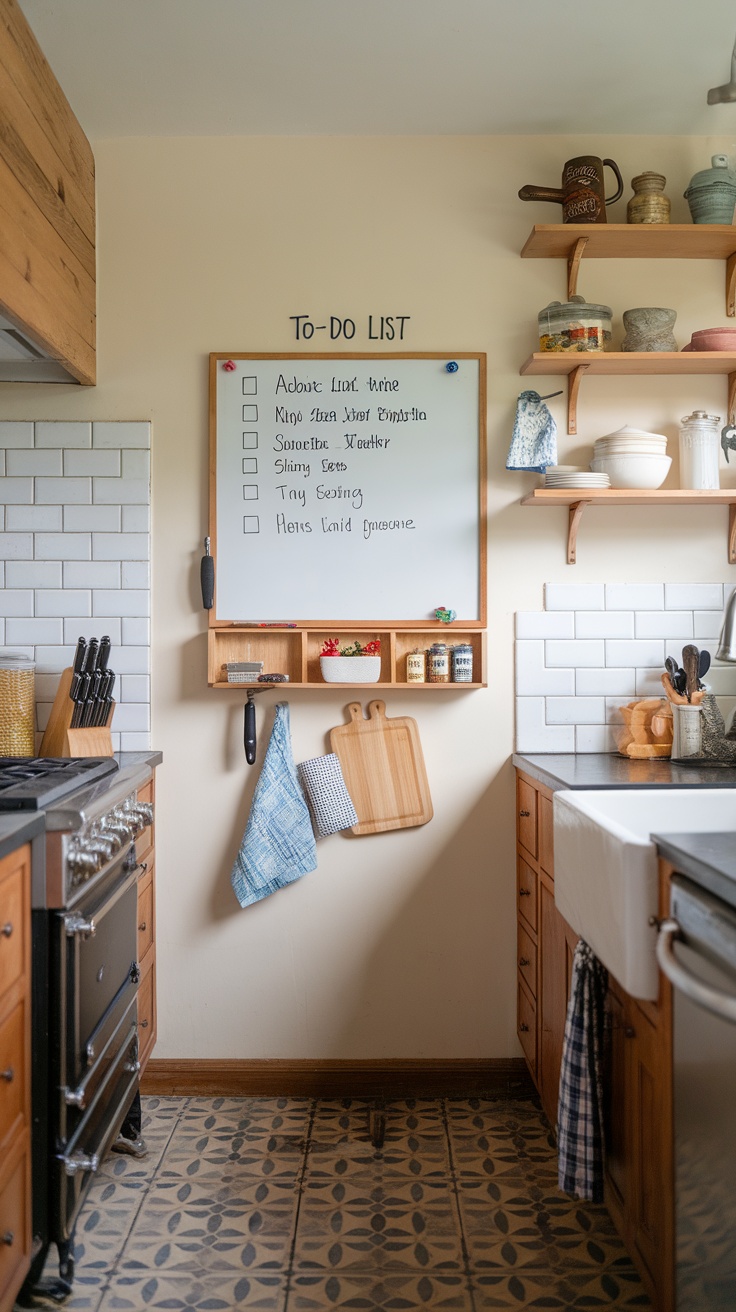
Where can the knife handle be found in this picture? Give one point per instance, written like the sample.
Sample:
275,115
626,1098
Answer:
249,731
103,654
207,577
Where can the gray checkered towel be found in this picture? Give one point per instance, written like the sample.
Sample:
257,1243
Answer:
580,1137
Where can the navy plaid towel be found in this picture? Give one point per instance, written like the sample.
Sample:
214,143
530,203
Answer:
580,1139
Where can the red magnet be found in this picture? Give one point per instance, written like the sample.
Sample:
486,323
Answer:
229,366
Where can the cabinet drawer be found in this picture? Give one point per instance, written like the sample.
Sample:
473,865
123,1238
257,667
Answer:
526,959
526,1025
147,1013
526,892
145,915
526,816
14,922
15,1212
13,1072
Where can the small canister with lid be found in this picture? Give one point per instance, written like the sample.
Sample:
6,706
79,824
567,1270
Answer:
416,666
462,663
700,451
438,663
574,326
17,704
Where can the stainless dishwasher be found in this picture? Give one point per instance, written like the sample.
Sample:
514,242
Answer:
696,949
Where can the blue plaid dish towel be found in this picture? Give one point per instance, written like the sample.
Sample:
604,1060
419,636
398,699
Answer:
580,1135
278,845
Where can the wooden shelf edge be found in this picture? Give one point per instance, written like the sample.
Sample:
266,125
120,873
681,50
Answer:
644,363
331,687
670,241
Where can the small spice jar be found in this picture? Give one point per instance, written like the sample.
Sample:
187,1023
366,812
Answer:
574,326
416,666
462,663
17,704
438,663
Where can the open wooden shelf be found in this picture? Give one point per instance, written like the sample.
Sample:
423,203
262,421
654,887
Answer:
295,652
578,501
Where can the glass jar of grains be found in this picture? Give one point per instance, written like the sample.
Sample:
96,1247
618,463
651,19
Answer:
17,704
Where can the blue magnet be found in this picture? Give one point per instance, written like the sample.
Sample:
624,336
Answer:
452,366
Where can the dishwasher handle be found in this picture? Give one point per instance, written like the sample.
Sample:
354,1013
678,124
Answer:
720,1004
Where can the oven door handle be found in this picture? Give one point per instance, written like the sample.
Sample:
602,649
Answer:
713,1000
76,923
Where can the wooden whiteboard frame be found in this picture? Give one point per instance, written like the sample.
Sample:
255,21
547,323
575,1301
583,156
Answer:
302,356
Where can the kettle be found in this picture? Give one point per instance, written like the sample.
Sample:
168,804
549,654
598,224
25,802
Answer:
582,194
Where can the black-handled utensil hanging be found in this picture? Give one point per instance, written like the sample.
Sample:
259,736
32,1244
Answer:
207,578
250,741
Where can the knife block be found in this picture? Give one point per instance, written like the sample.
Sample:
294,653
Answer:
61,740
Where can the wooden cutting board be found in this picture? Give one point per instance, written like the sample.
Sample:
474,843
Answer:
383,767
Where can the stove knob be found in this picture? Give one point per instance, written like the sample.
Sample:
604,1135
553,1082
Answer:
82,865
111,834
117,825
104,848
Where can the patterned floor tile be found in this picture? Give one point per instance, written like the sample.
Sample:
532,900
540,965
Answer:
251,1115
232,1155
338,1120
410,1155
87,1290
616,1289
430,1293
207,1226
181,1293
359,1225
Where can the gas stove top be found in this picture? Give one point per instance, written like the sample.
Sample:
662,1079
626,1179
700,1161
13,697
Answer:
32,783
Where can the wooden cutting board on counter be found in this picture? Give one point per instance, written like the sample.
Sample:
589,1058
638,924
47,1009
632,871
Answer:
383,767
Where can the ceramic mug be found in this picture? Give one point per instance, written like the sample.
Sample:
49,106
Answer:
582,194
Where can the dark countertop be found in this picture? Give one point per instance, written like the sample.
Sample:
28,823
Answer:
608,770
18,827
708,859
145,758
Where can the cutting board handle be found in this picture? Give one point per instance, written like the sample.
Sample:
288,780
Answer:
355,711
377,710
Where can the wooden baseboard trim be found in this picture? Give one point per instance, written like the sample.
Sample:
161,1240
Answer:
338,1079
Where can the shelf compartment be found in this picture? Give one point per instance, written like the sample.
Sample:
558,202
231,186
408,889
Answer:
406,643
281,651
577,503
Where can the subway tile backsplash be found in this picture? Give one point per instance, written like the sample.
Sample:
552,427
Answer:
596,646
75,555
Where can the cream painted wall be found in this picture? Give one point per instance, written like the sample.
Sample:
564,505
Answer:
399,945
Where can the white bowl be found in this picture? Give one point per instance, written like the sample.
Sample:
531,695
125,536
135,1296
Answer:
628,432
350,669
624,450
640,471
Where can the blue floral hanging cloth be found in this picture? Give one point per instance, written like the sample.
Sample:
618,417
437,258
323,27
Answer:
278,845
534,439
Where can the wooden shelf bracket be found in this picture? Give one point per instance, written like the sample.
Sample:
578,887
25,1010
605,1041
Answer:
575,514
573,387
732,534
573,266
731,286
731,409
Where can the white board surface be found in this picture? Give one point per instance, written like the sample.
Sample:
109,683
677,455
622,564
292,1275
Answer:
346,488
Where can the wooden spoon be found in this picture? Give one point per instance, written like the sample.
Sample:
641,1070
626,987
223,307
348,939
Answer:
691,665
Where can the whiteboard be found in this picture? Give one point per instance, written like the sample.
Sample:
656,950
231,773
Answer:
347,487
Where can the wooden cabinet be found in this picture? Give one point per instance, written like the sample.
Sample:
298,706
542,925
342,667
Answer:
145,852
47,224
15,1080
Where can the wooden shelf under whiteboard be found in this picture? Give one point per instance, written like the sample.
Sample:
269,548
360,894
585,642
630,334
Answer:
295,652
577,502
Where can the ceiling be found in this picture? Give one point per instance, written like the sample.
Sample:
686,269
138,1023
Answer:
292,67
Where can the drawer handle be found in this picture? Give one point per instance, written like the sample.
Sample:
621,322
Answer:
524,1028
525,892
8,1238
629,1032
525,813
142,927
523,961
8,1075
144,1024
142,867
7,930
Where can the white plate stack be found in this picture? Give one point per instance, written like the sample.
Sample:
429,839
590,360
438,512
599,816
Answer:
632,458
573,476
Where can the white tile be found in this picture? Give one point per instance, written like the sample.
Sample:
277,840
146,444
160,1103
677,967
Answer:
136,573
121,433
136,633
136,519
92,574
533,679
53,659
574,653
63,434
604,624
2,462
134,742
115,739
606,683
63,546
34,630
649,681
132,660
33,462
545,624
574,596
707,624
43,711
92,519
33,519
534,735
620,653
124,602
693,596
63,603
17,546
16,602
594,738
634,596
85,627
613,709
664,624
132,717
135,688
120,546
2,631
673,647
46,686
133,491
137,464
63,491
17,491
576,710
87,463
14,433
721,679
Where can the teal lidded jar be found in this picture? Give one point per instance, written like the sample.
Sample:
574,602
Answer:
711,194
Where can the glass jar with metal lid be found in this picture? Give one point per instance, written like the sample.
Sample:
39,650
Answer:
17,703
574,326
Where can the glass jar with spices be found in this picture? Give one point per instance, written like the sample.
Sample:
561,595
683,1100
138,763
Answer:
462,663
416,666
438,663
17,704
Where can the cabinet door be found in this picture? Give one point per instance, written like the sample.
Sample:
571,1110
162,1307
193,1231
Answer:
526,816
618,1110
546,847
651,1146
557,944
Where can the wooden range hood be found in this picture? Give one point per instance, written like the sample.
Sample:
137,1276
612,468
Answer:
47,219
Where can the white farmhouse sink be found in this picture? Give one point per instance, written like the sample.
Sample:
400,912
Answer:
606,866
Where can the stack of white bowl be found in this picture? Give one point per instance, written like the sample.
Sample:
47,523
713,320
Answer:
562,476
632,458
